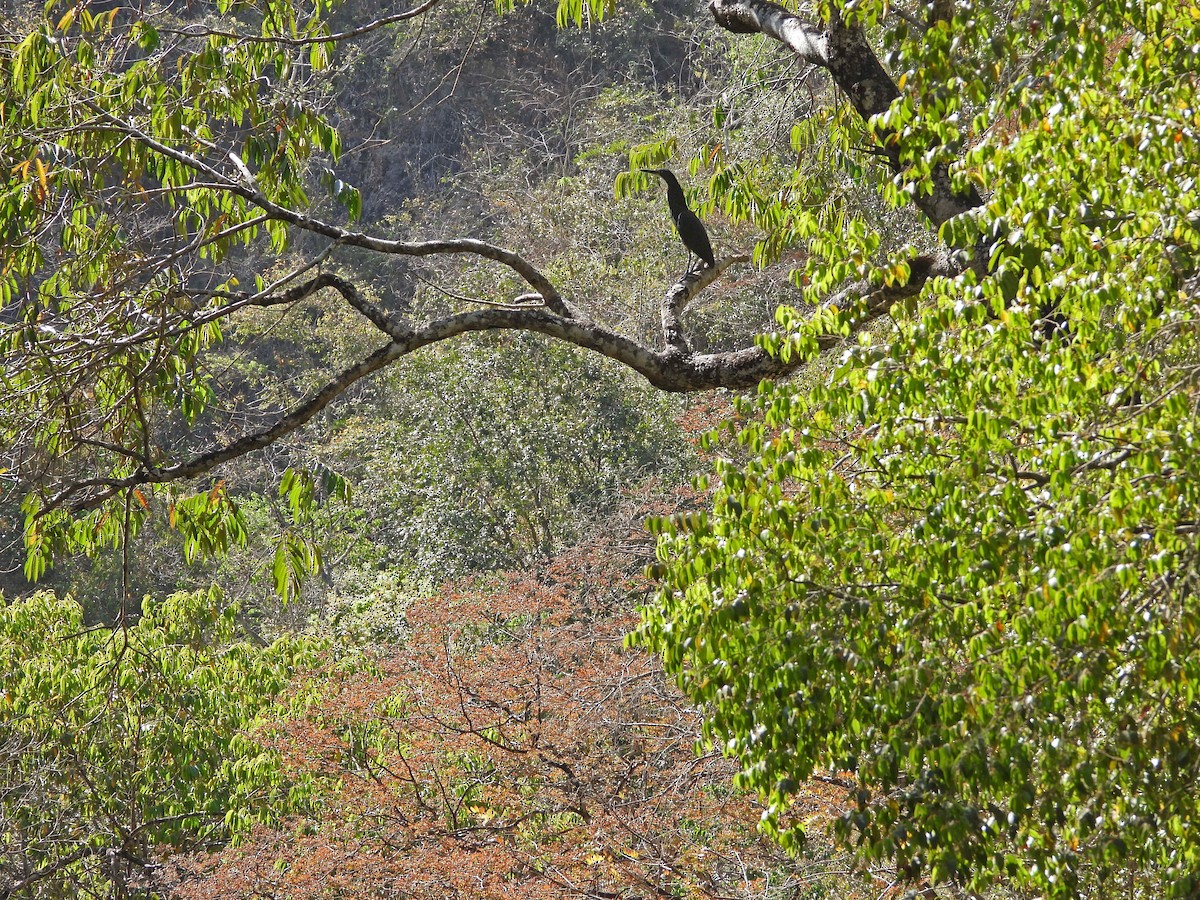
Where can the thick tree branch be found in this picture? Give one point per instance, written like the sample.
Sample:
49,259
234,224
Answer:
671,368
845,53
808,42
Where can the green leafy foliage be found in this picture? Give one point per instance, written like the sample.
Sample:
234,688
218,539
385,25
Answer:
501,454
209,522
296,556
117,193
116,743
963,568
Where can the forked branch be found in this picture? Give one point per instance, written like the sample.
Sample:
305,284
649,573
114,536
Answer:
672,367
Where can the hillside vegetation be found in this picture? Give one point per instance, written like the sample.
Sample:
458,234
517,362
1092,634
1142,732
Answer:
393,506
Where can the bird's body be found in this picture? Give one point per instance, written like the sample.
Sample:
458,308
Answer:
687,223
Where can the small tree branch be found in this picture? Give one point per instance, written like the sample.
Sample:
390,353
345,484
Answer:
26,883
288,41
681,293
246,187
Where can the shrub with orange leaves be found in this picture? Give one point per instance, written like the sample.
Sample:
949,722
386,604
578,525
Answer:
510,747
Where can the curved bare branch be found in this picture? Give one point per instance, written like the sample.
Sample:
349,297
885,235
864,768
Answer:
287,41
671,368
245,186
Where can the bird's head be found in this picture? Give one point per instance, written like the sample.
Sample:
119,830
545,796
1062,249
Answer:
666,175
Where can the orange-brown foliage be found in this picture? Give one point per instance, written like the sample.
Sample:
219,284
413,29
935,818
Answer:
510,748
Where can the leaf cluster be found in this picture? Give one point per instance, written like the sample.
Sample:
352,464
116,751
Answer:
119,744
963,568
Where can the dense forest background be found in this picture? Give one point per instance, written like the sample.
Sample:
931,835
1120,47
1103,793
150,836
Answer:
479,524
502,450
555,592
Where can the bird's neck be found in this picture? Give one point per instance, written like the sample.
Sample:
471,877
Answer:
675,198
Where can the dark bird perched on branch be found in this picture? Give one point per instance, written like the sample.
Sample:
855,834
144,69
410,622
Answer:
687,223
